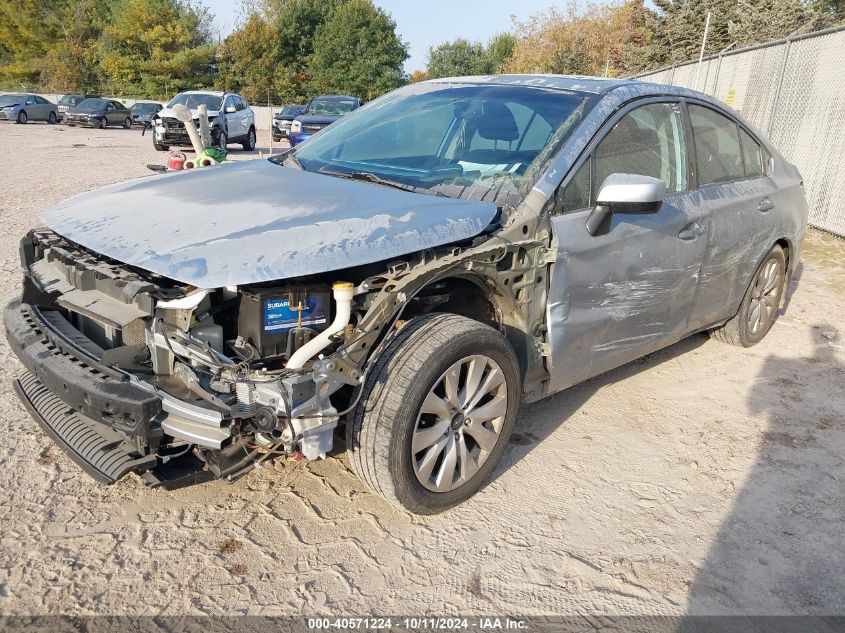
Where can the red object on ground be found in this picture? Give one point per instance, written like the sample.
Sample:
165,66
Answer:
176,161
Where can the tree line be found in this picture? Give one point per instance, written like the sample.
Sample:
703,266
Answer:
289,50
626,37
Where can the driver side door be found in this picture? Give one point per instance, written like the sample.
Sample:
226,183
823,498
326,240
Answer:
616,296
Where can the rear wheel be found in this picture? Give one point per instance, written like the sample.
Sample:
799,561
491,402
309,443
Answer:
436,413
22,118
52,119
759,308
127,123
249,145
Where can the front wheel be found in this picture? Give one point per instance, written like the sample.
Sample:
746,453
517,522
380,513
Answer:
52,119
127,123
436,413
759,308
221,141
103,123
22,118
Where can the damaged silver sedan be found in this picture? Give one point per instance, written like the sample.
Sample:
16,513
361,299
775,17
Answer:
410,275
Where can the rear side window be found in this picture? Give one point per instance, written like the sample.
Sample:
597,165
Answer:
752,155
717,150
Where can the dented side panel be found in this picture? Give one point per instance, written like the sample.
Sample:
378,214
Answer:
617,296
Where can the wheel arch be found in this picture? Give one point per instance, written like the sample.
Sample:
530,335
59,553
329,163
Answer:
475,297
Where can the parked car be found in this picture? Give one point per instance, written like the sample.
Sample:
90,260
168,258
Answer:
98,112
282,121
412,274
68,101
319,113
143,112
230,118
22,108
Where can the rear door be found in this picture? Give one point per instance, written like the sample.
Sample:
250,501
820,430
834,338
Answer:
739,195
618,296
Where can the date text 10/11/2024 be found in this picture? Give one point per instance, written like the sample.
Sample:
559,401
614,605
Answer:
418,623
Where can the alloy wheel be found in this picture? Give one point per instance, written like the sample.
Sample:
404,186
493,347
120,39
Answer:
765,294
459,424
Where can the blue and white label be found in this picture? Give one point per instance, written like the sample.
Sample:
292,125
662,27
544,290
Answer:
279,317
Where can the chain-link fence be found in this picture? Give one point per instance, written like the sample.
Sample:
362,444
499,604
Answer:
794,90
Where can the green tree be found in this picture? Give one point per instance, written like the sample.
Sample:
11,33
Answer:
357,51
157,47
297,22
250,58
681,27
763,20
458,58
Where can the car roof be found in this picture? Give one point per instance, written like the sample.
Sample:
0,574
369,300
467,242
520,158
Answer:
335,97
578,83
216,93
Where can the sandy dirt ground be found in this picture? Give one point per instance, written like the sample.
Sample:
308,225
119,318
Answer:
703,479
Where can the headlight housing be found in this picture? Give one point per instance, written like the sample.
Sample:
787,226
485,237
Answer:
296,126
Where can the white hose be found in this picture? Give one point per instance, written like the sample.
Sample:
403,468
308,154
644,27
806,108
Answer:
205,133
184,115
343,293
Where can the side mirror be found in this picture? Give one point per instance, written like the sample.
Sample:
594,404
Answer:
625,193
230,109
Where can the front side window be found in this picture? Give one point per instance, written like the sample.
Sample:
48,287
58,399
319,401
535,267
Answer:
483,142
648,141
717,151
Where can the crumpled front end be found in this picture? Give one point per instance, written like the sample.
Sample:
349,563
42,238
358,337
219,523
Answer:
131,372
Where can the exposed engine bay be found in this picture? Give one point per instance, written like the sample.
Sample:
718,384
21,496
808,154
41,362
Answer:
243,373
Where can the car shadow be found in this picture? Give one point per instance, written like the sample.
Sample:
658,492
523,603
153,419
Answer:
539,420
780,551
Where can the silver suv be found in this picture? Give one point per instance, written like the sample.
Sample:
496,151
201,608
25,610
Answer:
230,117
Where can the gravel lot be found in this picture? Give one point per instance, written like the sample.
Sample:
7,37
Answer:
701,479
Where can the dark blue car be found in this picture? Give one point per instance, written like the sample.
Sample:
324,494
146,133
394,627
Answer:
319,113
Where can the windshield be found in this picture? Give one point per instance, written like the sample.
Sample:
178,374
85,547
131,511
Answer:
144,108
331,107
6,100
291,110
465,141
192,101
96,104
69,100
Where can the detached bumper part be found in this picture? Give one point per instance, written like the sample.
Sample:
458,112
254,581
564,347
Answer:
97,449
106,424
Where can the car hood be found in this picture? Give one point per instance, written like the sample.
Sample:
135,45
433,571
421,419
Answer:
168,113
319,119
11,105
254,221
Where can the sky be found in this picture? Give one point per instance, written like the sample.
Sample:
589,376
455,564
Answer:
426,23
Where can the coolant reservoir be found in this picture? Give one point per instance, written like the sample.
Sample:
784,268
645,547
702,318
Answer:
208,331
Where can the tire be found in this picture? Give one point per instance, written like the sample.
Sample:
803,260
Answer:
22,118
759,308
127,123
52,119
390,416
104,122
249,144
222,140
159,147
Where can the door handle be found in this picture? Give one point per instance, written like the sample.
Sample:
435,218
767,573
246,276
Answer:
691,231
765,205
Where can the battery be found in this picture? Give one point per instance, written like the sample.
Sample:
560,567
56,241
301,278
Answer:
267,315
